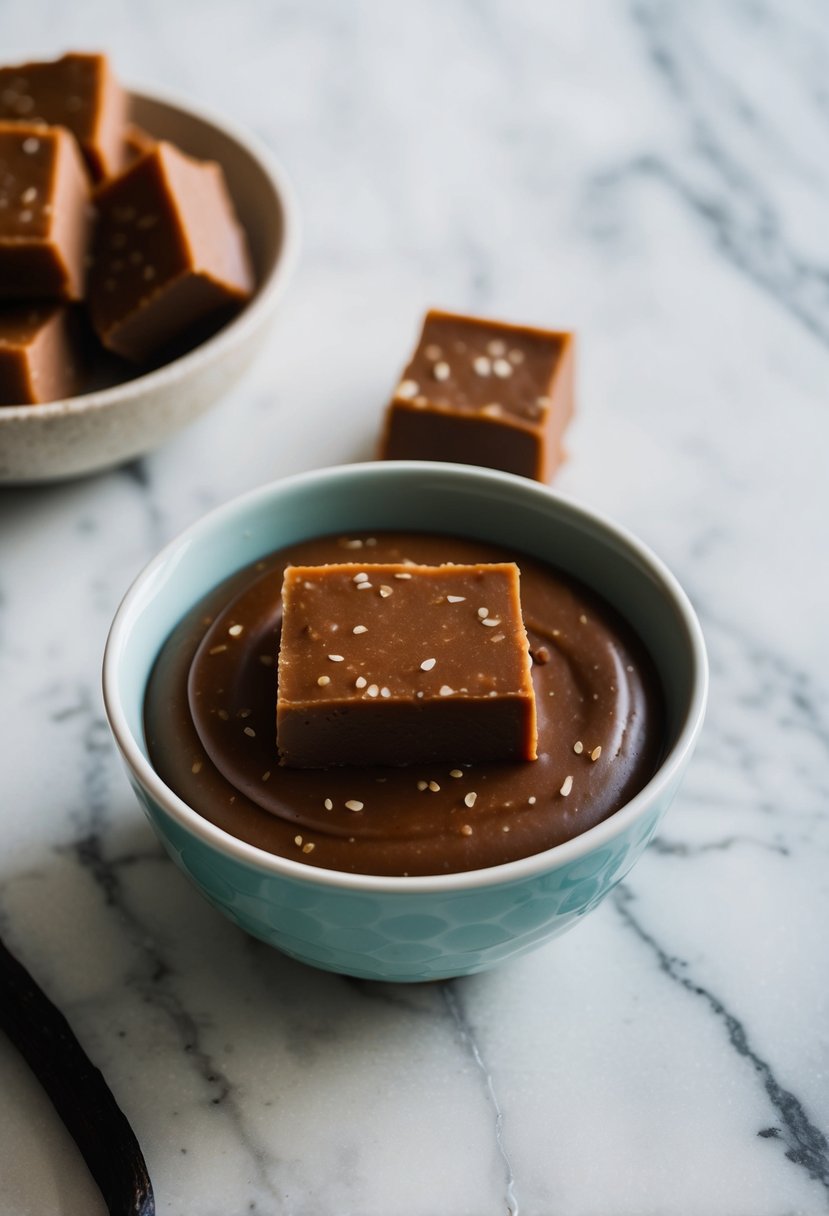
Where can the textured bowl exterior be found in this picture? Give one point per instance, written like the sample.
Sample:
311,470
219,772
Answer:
392,935
432,927
113,424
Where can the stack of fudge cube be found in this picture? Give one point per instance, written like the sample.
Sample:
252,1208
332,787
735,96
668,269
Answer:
107,235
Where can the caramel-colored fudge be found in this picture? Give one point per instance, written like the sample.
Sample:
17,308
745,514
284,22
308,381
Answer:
399,664
45,214
78,92
169,253
483,392
41,353
137,143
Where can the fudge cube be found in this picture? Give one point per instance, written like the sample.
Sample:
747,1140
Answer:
401,664
78,92
42,353
45,214
169,253
483,392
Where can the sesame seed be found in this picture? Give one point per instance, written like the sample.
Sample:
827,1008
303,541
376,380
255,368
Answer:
441,371
456,772
516,356
373,690
596,752
250,731
31,145
455,599
466,830
420,401
505,828
583,619
243,713
502,368
217,649
29,196
470,799
491,621
323,680
385,692
531,800
364,586
196,768
309,847
236,630
402,575
434,787
544,403
360,682
360,629
25,215
432,351
482,612
407,389
353,544
385,592
481,365
445,691
567,785
336,658
578,747
362,577
427,664
298,840
496,347
499,637
422,785
353,805
266,776
328,804
223,714
493,409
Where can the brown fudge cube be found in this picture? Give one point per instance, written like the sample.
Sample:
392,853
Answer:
45,214
42,353
483,392
400,664
169,253
78,92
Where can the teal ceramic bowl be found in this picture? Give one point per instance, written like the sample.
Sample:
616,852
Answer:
420,928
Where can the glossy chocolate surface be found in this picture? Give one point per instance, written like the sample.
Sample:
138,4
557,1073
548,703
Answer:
209,720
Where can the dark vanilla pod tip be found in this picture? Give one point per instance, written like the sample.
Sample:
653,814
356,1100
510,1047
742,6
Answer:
76,1089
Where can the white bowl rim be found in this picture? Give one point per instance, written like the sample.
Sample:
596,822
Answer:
466,880
236,330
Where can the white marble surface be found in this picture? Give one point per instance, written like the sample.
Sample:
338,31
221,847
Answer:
656,176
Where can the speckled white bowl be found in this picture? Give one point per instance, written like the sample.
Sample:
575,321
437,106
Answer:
116,423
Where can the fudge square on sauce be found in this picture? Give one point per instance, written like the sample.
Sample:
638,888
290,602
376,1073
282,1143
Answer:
78,92
45,214
41,353
400,664
169,252
483,392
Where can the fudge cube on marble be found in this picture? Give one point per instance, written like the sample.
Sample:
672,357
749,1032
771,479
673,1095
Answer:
483,392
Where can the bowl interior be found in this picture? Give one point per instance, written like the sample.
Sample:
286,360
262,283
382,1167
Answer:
425,497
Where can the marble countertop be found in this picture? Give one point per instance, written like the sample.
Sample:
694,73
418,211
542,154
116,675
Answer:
654,175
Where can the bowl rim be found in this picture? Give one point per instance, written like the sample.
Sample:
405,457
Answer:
467,880
236,330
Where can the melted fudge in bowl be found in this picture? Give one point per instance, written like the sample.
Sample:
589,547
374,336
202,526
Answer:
211,731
